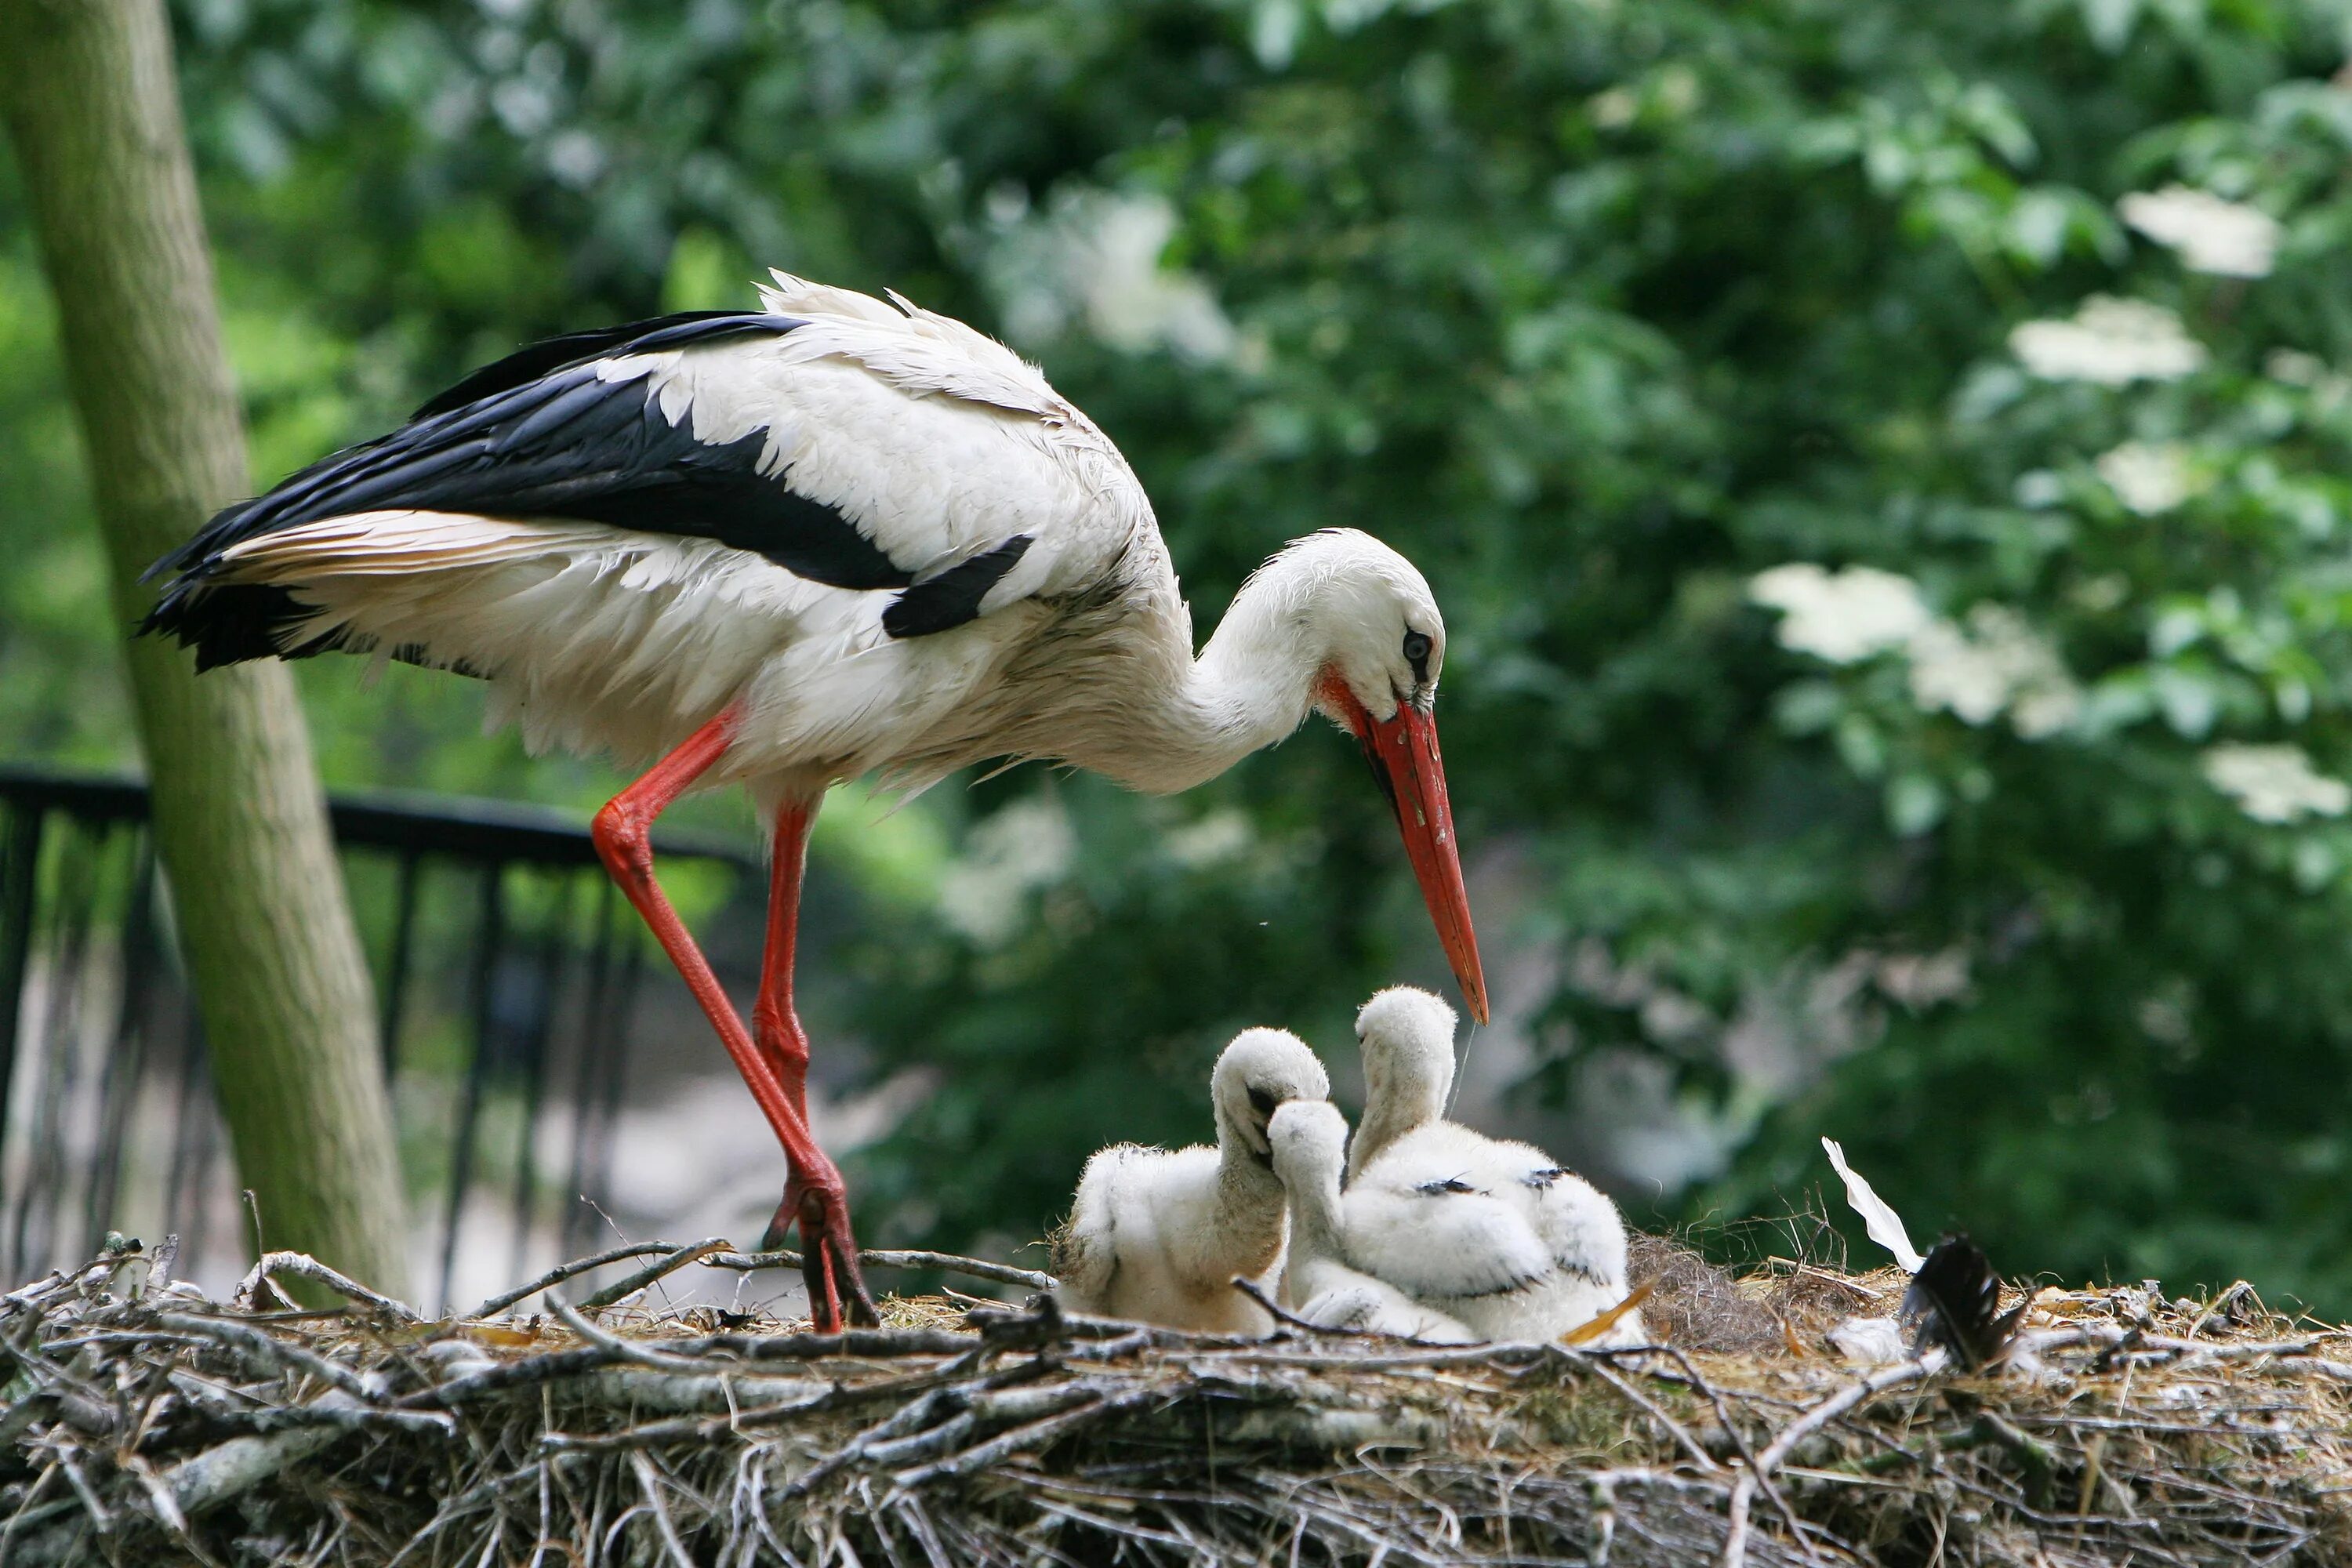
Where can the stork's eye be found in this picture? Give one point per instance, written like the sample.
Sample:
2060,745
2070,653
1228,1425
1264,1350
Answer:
1450,1184
1416,653
1263,1101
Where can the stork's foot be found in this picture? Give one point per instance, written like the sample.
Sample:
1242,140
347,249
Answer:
829,1255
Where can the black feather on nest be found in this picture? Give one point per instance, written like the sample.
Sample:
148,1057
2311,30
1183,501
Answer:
1955,1302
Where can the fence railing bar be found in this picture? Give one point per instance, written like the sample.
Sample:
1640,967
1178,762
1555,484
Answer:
555,945
551,1010
489,939
463,827
616,1071
183,1202
596,1027
57,1062
127,1047
20,879
396,966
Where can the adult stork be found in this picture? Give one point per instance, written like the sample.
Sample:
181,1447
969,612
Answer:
786,547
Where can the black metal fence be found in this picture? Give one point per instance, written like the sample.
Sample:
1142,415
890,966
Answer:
507,971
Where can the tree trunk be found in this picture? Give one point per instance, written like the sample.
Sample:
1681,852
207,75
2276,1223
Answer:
90,102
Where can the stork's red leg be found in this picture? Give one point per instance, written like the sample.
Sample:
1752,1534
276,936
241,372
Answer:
819,1206
775,1026
623,833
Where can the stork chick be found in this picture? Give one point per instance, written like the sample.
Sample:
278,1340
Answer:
1310,1140
1157,1237
1494,1232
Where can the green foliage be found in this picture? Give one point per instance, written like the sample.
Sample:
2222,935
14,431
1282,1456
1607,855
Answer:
1598,312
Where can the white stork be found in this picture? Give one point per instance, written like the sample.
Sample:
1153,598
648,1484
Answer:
791,546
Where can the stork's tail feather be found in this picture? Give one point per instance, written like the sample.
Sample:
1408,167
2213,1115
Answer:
229,623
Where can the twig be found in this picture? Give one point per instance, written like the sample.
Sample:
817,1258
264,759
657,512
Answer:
239,1465
875,1344
1653,1409
911,1417
669,1262
620,1349
347,1417
1035,1436
651,1483
303,1266
945,1262
279,1356
1275,1311
1747,1456
562,1271
1743,1491
552,1366
702,1429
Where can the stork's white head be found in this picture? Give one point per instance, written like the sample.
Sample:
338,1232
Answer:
1261,1071
1369,624
1370,619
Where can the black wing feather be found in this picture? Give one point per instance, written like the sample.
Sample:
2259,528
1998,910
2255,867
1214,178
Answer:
540,435
948,600
534,360
1955,1302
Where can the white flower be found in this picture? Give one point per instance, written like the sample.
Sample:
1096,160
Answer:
2111,342
1097,258
1997,664
1841,616
2000,663
1026,846
2228,238
2149,477
2274,783
1213,841
2294,367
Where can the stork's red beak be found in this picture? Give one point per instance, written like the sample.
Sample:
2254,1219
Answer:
1403,751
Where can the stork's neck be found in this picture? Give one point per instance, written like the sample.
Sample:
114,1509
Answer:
1251,687
1245,1181
1402,1090
1315,1217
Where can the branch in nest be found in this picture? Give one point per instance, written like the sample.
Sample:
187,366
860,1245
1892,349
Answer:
562,1271
1743,1491
303,1266
945,1262
275,1354
668,1263
1030,1439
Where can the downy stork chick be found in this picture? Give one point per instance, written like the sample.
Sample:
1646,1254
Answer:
1310,1140
1157,1237
1493,1231
1406,1036
831,538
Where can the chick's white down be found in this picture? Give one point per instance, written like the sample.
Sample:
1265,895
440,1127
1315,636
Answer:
1492,1232
1159,1236
1319,1284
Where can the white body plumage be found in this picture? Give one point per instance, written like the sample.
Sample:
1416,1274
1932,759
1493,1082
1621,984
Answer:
936,445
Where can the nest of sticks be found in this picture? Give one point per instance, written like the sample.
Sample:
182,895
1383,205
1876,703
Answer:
144,1423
